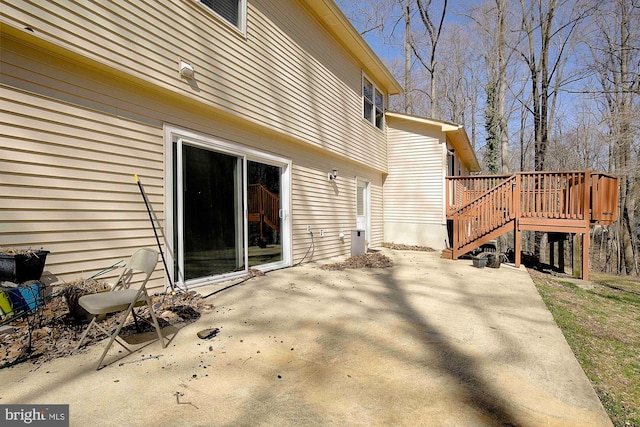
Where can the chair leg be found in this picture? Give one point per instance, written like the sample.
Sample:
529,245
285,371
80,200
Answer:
155,321
135,320
116,340
115,334
86,332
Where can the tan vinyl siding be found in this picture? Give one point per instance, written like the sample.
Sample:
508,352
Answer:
332,207
287,74
413,191
67,186
377,214
71,140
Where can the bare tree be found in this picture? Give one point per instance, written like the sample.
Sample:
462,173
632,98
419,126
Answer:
491,20
408,107
369,16
430,63
616,55
491,155
501,83
546,42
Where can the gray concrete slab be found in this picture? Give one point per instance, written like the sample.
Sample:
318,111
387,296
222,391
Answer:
428,342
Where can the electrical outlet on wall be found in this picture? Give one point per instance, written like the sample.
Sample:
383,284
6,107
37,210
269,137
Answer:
321,232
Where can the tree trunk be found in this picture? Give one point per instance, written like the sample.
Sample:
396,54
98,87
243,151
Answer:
408,107
434,36
501,87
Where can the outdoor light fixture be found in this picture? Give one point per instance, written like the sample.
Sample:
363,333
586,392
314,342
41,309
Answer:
186,70
333,174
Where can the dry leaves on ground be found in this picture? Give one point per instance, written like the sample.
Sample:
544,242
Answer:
369,260
52,331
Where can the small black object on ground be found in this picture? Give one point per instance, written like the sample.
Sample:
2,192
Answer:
208,333
488,259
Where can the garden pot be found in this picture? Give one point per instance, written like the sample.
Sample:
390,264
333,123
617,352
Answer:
71,296
20,268
479,262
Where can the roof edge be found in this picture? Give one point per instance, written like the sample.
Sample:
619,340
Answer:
338,24
446,126
460,141
456,135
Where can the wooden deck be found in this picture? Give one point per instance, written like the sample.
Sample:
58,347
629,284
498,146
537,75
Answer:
263,207
481,208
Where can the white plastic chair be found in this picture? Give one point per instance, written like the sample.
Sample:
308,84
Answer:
122,298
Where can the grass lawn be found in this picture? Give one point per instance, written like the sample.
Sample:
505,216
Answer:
602,326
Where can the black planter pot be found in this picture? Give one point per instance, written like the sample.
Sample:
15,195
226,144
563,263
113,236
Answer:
20,268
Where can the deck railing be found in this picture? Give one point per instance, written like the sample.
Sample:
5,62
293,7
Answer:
560,195
490,211
264,206
462,190
604,198
482,205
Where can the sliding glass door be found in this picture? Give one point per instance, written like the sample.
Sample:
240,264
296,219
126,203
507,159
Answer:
229,211
211,217
265,209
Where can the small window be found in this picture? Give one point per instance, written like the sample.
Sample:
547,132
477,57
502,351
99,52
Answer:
367,95
379,110
232,11
373,103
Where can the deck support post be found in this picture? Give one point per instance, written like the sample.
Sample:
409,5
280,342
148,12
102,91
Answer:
517,243
585,255
561,255
587,220
517,237
575,257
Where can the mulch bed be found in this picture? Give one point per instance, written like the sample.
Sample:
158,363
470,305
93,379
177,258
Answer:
369,260
374,259
403,247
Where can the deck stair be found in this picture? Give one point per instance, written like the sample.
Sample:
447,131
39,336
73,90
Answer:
264,207
482,208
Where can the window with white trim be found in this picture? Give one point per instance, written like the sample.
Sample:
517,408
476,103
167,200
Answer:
232,11
372,103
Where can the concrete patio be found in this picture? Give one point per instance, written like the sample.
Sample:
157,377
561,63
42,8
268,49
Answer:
428,342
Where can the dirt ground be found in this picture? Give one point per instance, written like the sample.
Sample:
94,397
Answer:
52,331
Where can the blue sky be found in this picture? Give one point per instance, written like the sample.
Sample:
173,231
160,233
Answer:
385,51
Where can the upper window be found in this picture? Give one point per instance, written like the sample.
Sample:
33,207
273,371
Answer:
373,103
232,11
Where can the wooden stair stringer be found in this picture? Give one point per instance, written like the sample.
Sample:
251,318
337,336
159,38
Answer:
271,224
447,253
505,228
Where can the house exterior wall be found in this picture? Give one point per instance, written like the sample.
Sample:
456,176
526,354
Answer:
86,96
287,73
414,190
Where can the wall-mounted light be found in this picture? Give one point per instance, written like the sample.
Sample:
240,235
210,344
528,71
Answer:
333,174
186,70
